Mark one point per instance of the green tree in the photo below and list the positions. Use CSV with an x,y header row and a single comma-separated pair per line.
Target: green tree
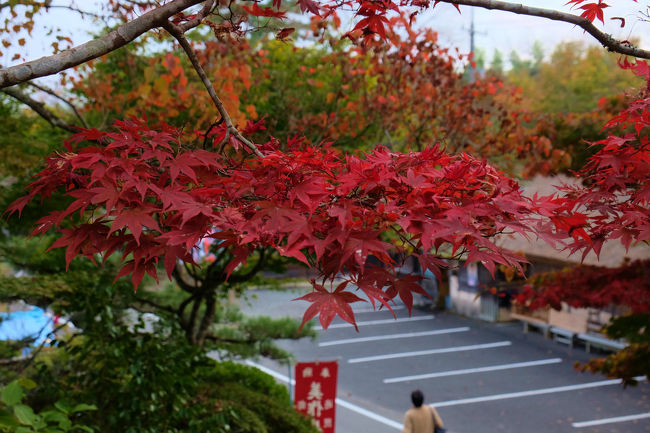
x,y
497,62
160,381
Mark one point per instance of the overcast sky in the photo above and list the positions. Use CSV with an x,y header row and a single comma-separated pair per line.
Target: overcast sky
x,y
495,29
507,31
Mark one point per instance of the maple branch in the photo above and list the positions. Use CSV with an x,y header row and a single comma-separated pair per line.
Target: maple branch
x,y
191,273
216,269
605,39
177,33
250,274
119,37
39,108
181,308
191,324
207,133
40,347
74,9
154,304
207,319
182,283
205,10
61,98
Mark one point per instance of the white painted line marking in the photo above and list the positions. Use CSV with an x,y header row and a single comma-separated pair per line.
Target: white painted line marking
x,y
371,415
527,393
376,322
343,403
430,352
611,420
474,370
375,310
394,336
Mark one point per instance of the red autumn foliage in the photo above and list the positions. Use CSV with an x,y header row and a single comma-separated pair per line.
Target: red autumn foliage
x,y
615,197
592,286
144,193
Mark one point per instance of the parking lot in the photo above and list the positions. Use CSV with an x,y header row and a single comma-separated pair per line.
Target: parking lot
x,y
481,377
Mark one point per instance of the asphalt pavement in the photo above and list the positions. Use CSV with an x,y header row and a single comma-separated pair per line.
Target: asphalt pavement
x,y
482,377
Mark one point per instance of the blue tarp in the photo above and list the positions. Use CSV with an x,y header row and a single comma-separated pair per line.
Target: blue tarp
x,y
32,322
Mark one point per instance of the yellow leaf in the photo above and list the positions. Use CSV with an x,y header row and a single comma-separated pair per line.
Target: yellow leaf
x,y
149,73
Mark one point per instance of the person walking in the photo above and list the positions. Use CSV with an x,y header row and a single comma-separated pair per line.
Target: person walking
x,y
422,418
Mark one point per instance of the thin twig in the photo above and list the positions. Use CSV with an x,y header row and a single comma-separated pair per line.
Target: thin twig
x,y
207,133
40,347
121,36
39,108
205,10
61,98
605,39
155,304
176,32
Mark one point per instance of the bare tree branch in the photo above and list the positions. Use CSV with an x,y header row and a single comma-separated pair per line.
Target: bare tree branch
x,y
77,10
176,32
207,8
154,304
92,49
39,108
61,98
605,39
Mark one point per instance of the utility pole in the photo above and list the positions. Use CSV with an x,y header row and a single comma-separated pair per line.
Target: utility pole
x,y
472,33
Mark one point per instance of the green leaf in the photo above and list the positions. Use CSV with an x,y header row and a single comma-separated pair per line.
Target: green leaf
x,y
12,394
84,428
27,383
25,414
7,419
57,417
83,407
63,406
24,430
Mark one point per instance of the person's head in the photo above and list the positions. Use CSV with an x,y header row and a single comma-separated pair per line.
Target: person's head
x,y
417,398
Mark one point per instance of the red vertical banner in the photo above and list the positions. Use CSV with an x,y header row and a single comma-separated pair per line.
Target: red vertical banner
x,y
315,392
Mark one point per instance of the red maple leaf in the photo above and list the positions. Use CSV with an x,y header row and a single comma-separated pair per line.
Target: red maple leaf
x,y
405,287
264,12
329,305
593,11
309,5
134,219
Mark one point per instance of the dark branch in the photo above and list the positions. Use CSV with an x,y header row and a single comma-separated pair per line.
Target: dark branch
x,y
62,99
207,319
207,8
39,108
185,286
250,274
155,304
177,33
119,37
605,39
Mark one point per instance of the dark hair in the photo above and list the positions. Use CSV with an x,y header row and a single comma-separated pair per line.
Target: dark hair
x,y
417,398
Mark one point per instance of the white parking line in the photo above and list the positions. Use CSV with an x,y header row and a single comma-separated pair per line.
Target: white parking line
x,y
376,322
374,310
343,403
430,352
611,420
394,336
474,370
527,393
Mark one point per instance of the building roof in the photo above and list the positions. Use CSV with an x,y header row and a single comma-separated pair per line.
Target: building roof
x,y
612,254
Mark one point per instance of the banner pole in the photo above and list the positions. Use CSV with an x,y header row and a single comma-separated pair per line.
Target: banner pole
x,y
290,385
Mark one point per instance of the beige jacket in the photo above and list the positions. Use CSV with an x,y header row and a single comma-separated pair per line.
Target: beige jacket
x,y
420,419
